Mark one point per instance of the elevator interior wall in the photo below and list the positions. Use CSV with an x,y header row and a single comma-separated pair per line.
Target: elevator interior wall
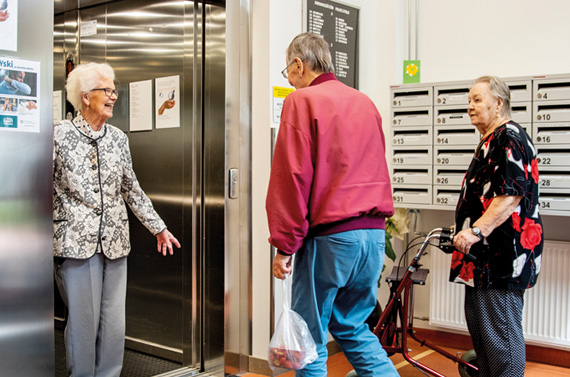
x,y
174,305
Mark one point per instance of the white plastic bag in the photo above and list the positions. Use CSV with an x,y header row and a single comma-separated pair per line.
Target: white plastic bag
x,y
292,345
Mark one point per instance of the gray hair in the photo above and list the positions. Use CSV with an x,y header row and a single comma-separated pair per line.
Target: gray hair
x,y
313,51
499,89
84,78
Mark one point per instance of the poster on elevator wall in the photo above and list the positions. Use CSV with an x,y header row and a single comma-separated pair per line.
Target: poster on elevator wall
x,y
140,106
9,25
167,102
19,95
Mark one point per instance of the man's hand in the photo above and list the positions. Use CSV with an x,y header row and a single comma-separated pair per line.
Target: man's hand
x,y
282,266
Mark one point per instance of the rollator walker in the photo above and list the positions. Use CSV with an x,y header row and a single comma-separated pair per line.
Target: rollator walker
x,y
400,307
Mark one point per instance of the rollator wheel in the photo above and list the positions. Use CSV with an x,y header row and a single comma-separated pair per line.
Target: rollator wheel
x,y
471,358
352,373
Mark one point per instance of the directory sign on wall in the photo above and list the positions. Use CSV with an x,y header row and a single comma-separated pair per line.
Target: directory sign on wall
x,y
338,24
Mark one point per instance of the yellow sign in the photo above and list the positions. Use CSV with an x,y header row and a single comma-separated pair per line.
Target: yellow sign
x,y
280,92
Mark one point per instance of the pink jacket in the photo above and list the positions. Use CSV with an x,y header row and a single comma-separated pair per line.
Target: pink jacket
x,y
329,164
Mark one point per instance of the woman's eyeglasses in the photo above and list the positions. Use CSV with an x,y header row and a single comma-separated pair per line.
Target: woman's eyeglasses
x,y
108,92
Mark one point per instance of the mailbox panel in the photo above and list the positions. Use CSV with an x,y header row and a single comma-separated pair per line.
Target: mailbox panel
x,y
420,135
453,156
521,112
553,156
551,111
553,179
458,135
551,89
451,94
417,116
450,177
451,116
554,201
412,176
521,91
411,156
445,196
552,133
416,97
402,194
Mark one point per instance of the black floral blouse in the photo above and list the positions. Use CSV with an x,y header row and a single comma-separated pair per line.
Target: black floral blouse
x,y
510,257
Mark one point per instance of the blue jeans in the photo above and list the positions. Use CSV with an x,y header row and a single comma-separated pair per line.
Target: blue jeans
x,y
335,284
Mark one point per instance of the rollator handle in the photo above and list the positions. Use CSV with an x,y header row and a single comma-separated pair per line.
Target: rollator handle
x,y
446,243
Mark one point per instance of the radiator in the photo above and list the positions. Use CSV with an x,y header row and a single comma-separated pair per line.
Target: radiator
x,y
546,314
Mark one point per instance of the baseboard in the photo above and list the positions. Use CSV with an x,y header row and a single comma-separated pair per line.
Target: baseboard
x,y
534,353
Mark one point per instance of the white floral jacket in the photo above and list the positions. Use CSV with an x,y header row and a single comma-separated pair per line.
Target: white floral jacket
x,y
92,180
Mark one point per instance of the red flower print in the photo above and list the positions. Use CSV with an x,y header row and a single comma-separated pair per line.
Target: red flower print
x,y
456,259
531,235
467,271
525,166
534,170
486,203
509,152
517,221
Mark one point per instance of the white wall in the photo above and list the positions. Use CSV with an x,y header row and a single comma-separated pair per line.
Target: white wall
x,y
457,40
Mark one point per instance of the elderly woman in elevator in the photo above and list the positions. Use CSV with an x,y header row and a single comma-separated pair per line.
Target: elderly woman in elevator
x,y
497,221
93,177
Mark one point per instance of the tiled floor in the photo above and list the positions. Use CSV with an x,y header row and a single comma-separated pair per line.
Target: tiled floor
x,y
338,366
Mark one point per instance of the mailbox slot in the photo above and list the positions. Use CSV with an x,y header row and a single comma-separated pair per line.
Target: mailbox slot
x,y
412,97
451,95
448,177
412,135
521,112
521,91
453,157
451,116
552,90
460,135
549,157
411,195
555,111
412,156
554,179
556,133
412,117
445,196
409,176
554,201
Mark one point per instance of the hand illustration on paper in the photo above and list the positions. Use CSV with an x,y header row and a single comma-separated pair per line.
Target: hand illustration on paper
x,y
4,16
168,104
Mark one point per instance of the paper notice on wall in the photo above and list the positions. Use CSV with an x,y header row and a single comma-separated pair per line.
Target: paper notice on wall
x,y
140,106
9,25
279,94
167,102
19,95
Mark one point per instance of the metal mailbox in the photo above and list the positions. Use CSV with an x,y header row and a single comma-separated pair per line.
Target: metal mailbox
x,y
553,179
552,111
451,94
553,156
458,135
416,97
521,91
453,156
451,116
402,194
445,196
551,89
412,176
417,116
521,112
552,133
420,155
449,177
554,201
421,135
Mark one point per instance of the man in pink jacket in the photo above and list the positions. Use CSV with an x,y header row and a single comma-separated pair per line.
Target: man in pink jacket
x,y
328,196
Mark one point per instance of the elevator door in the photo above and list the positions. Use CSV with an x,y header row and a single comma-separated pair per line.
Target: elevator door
x,y
174,303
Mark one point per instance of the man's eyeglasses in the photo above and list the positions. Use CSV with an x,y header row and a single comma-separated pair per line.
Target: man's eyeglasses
x,y
108,92
284,72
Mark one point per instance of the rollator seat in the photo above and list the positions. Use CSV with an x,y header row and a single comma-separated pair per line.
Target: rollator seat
x,y
418,277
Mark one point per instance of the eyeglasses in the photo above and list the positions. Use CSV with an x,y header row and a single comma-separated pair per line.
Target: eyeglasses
x,y
284,72
108,92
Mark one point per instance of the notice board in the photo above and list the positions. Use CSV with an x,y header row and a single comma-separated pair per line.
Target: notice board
x,y
338,24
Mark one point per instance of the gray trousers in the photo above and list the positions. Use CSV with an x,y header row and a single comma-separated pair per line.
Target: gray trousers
x,y
94,291
494,319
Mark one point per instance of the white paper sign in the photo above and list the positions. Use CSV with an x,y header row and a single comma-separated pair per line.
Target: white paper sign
x,y
140,106
167,102
88,28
